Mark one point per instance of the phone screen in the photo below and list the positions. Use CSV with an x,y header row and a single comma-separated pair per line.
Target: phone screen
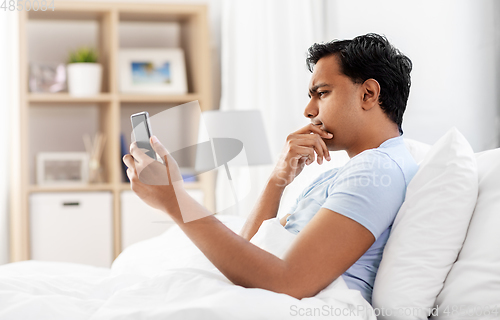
x,y
142,132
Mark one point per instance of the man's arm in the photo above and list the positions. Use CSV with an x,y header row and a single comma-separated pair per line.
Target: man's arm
x,y
327,246
266,208
299,151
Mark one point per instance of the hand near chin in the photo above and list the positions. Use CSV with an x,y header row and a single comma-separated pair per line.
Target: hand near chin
x,y
151,180
300,150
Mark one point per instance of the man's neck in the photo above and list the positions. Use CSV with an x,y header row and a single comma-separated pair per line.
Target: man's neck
x,y
372,140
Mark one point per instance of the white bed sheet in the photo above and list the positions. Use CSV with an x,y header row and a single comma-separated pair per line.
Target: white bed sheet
x,y
166,277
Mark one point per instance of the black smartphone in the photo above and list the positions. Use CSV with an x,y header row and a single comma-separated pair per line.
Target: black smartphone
x,y
142,132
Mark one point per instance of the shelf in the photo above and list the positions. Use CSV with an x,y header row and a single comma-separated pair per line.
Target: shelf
x,y
124,97
71,188
106,97
125,186
93,10
65,97
187,185
56,121
66,14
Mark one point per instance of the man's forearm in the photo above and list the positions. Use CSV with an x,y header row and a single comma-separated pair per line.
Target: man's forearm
x,y
266,208
242,262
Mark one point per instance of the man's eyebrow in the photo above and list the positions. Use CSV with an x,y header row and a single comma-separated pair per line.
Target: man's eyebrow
x,y
316,87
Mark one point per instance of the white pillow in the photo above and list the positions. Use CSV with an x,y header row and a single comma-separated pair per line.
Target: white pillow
x,y
417,149
473,284
273,237
428,231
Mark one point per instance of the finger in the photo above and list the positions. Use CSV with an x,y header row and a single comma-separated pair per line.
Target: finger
x,y
164,154
322,145
158,147
136,152
311,128
318,147
131,174
131,170
133,146
140,155
314,141
307,152
129,161
302,162
317,129
311,141
327,153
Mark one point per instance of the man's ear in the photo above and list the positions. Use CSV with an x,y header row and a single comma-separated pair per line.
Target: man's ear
x,y
371,92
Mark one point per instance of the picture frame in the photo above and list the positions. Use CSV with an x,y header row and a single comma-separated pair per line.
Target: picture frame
x,y
153,71
62,168
47,77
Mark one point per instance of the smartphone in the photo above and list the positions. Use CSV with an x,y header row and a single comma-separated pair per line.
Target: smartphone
x,y
142,132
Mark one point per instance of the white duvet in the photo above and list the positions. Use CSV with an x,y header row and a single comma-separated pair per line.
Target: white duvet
x,y
166,277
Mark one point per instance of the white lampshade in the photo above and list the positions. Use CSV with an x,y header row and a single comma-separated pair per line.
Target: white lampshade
x,y
228,134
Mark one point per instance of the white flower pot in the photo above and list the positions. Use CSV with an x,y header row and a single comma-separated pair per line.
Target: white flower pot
x,y
84,79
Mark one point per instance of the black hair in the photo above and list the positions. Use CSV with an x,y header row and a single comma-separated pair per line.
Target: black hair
x,y
371,56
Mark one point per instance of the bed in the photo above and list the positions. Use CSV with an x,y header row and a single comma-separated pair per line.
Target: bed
x,y
165,277
449,267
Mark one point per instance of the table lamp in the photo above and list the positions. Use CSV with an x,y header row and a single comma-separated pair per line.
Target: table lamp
x,y
231,138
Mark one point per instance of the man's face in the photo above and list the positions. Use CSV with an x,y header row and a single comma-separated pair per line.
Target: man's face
x,y
335,104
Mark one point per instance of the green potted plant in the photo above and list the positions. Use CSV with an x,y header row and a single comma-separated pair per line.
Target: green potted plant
x,y
84,73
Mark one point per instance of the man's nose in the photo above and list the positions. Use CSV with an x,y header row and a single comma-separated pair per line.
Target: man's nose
x,y
311,110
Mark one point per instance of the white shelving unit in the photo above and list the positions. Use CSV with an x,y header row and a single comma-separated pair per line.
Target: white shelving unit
x,y
105,112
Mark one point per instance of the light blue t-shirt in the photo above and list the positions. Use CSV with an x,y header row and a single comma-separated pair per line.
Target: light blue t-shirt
x,y
369,189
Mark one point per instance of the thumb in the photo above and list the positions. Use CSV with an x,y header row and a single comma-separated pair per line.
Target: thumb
x,y
158,147
172,167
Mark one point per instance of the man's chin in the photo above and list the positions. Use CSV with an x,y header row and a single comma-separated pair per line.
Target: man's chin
x,y
331,145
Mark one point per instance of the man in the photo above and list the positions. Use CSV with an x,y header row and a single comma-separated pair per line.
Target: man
x,y
358,93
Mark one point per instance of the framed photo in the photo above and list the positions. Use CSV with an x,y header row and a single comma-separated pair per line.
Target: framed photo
x,y
155,71
62,168
47,77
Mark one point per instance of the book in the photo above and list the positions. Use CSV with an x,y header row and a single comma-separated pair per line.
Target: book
x,y
124,151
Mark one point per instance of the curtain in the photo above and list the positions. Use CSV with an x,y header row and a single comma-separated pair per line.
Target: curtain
x,y
264,46
9,104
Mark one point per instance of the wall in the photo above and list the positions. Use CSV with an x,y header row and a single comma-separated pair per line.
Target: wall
x,y
454,48
9,98
496,10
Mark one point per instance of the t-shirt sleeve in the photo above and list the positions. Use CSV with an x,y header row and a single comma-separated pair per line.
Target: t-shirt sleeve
x,y
292,209
369,190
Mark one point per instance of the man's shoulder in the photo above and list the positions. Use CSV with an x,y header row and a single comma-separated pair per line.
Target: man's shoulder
x,y
396,160
371,159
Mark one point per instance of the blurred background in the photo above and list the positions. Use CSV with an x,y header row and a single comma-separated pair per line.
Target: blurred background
x,y
242,55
